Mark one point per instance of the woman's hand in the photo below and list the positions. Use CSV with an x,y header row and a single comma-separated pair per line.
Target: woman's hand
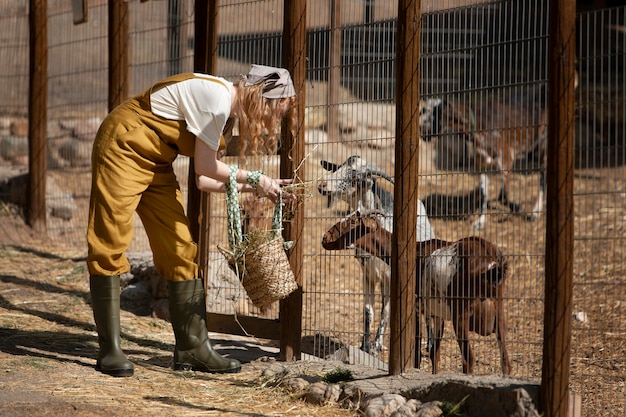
x,y
270,188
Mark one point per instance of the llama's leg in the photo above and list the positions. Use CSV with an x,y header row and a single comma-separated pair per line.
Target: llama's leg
x,y
505,164
384,273
438,326
368,308
501,336
538,208
479,224
461,329
418,338
382,327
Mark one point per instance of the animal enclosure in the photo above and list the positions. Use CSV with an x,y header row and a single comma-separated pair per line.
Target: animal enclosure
x,y
473,53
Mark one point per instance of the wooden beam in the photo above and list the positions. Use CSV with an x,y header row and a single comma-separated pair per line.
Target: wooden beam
x,y
119,44
334,77
403,262
559,260
291,157
244,325
37,115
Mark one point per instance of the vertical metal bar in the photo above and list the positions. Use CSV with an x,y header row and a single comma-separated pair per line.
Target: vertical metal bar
x,y
334,77
119,43
404,323
291,157
559,210
37,115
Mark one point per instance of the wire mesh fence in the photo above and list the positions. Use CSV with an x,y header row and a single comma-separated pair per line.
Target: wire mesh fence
x,y
483,75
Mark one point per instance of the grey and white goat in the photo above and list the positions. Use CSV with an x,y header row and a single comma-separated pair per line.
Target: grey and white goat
x,y
355,182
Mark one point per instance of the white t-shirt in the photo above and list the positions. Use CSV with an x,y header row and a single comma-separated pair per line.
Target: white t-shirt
x,y
202,101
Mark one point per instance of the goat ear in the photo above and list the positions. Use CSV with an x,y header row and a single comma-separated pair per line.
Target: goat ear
x,y
329,166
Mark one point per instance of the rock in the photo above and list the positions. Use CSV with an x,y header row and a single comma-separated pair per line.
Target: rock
x,y
161,309
408,409
383,405
137,294
296,384
86,130
76,152
321,393
60,203
431,409
275,370
13,147
19,127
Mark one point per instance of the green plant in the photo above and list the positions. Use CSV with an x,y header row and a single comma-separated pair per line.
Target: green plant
x,y
453,410
338,375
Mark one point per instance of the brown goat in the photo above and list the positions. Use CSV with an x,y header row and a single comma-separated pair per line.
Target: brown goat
x,y
500,132
461,281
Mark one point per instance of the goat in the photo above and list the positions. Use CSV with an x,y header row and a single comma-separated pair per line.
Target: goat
x,y
461,281
500,132
354,181
458,206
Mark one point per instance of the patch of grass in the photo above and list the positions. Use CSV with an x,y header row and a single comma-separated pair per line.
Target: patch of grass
x,y
453,410
31,362
338,375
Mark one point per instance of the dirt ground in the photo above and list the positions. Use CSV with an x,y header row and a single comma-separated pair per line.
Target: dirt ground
x,y
48,346
48,340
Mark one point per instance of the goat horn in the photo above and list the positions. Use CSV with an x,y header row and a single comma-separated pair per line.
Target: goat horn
x,y
380,173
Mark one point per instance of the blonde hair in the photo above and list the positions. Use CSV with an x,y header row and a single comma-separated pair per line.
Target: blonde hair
x,y
260,120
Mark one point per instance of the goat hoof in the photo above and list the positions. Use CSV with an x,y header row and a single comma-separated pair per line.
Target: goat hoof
x,y
532,217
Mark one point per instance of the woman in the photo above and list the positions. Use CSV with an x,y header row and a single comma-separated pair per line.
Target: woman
x,y
132,171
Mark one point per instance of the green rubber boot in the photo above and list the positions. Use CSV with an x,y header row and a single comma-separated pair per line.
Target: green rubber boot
x,y
105,300
193,349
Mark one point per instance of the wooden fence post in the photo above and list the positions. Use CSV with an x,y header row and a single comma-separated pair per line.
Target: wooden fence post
x,y
118,52
334,71
291,157
403,275
37,115
559,210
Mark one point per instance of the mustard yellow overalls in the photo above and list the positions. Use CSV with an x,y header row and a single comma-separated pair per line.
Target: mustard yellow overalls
x,y
132,171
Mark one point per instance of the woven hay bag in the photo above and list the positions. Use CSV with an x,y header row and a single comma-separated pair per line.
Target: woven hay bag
x,y
261,264
265,273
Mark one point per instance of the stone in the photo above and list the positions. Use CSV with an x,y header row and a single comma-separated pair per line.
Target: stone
x,y
383,405
321,393
408,409
76,152
295,384
161,309
19,127
12,147
431,409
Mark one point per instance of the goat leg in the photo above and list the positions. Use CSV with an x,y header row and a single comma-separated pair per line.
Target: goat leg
x,y
501,335
438,326
418,341
368,317
479,224
461,328
382,326
538,208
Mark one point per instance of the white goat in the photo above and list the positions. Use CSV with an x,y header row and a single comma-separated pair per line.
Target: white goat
x,y
354,181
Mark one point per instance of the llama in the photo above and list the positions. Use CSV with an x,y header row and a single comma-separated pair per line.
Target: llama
x,y
354,181
460,281
500,132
